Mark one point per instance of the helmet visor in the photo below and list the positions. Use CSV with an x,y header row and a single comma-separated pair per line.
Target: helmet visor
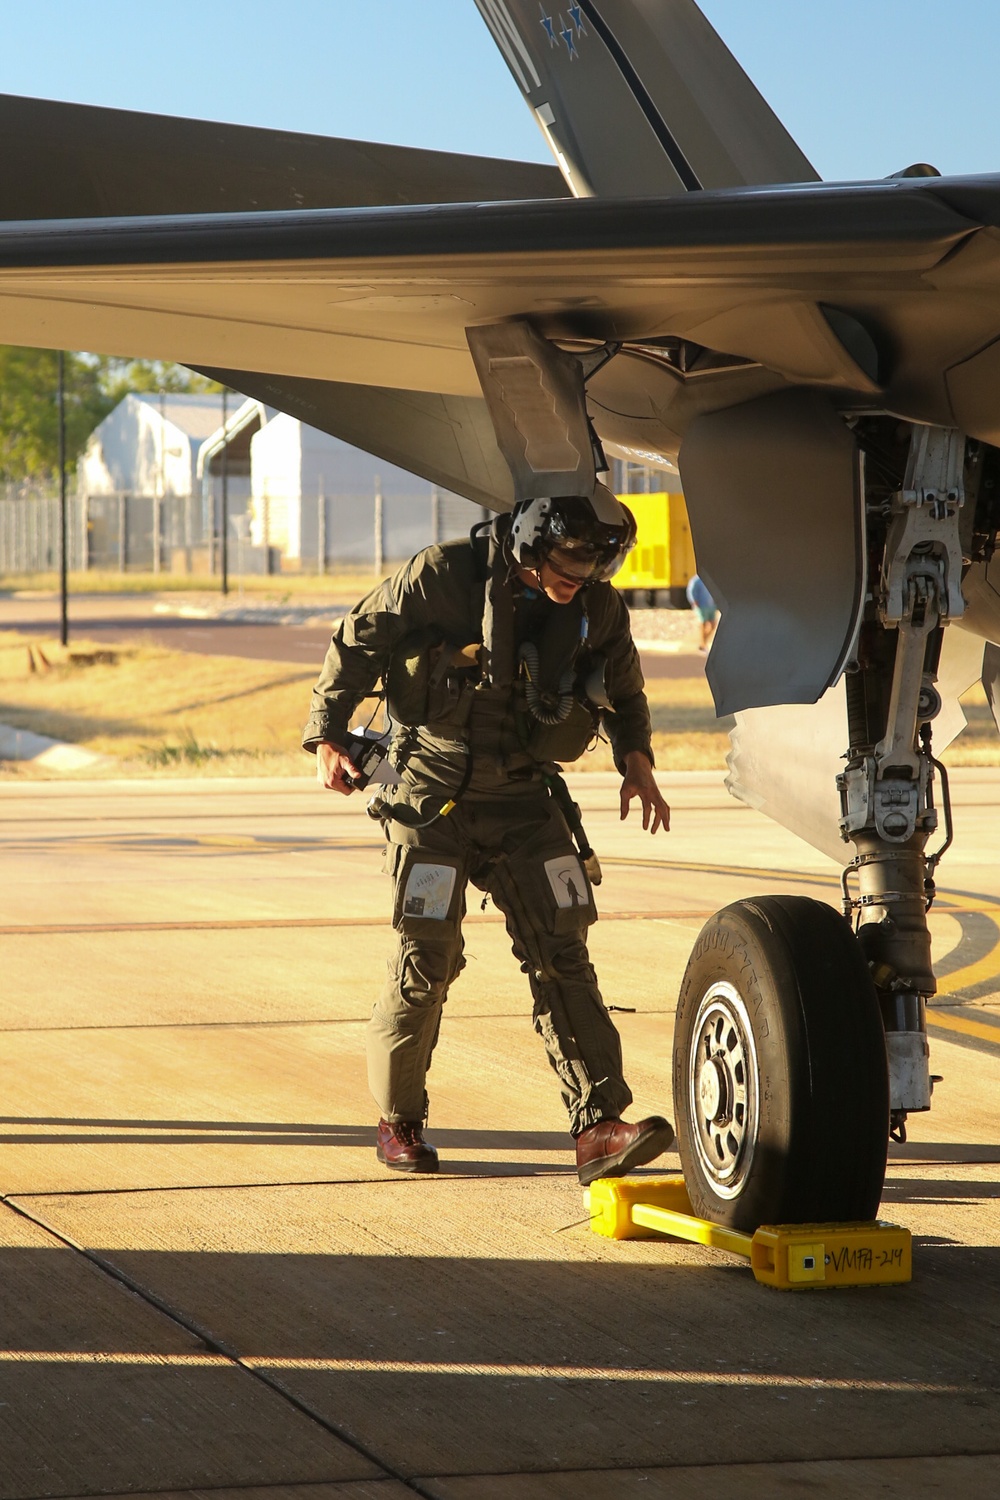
x,y
582,548
582,563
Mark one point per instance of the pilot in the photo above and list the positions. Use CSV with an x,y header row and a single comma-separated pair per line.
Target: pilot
x,y
501,655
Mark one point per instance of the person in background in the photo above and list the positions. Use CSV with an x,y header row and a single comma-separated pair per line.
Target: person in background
x,y
704,607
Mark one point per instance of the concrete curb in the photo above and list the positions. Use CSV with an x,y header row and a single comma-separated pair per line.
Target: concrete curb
x,y
55,755
255,614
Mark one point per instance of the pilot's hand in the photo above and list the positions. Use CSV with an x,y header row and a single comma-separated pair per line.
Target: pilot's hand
x,y
639,782
332,764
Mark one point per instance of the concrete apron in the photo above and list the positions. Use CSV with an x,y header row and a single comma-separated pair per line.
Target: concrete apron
x,y
213,1284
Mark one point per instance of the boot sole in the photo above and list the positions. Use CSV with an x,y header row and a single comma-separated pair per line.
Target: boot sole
x,y
427,1165
641,1152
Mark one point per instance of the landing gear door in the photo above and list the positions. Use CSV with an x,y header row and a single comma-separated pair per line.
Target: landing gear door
x,y
774,494
535,394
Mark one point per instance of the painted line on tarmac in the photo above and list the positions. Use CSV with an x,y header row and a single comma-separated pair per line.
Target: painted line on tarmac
x,y
61,929
603,1373
108,1357
966,978
979,1030
681,866
504,1371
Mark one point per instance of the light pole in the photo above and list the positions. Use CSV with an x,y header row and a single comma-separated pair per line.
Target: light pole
x,y
63,561
225,495
379,527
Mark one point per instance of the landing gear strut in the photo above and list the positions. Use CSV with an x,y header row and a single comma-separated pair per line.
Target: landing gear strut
x,y
887,788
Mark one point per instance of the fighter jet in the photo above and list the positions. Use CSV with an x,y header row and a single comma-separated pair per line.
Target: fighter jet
x,y
823,362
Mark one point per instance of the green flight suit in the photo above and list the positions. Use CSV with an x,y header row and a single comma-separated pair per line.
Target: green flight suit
x,y
464,735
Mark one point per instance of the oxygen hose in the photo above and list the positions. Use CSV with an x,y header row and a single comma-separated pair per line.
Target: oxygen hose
x,y
540,704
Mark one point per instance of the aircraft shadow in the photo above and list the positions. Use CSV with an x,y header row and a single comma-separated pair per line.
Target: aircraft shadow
x,y
480,1143
501,1365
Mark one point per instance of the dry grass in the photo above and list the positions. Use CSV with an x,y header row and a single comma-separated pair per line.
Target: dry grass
x,y
165,713
156,712
686,734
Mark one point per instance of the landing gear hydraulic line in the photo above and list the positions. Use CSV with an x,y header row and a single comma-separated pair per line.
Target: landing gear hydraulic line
x,y
887,788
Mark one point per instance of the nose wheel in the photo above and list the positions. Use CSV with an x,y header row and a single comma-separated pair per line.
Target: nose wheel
x,y
780,1081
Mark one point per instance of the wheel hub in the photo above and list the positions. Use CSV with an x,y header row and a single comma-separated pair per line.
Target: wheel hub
x,y
714,1089
723,1089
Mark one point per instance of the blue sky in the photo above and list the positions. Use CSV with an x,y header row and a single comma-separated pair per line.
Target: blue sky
x,y
865,86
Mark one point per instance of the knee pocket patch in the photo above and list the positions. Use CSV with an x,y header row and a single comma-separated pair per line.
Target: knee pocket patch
x,y
570,887
427,893
423,972
545,897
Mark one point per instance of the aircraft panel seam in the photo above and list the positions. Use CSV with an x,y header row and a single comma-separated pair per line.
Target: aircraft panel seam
x,y
510,42
643,98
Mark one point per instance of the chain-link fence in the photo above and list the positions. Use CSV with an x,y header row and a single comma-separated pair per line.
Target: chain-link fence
x,y
122,533
130,533
30,539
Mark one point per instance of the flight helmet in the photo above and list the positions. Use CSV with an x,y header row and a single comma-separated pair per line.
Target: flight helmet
x,y
584,538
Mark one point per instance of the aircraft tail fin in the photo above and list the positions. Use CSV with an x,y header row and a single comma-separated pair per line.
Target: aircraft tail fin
x,y
641,97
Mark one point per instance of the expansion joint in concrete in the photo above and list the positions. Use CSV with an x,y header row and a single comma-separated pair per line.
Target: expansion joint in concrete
x,y
215,1345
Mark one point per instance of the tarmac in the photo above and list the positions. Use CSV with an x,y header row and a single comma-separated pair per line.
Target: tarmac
x,y
211,1288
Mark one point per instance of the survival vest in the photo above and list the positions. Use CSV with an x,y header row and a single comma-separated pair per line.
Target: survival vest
x,y
552,683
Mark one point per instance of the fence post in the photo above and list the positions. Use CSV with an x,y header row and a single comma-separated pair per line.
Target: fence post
x,y
224,524
122,531
435,516
321,529
157,520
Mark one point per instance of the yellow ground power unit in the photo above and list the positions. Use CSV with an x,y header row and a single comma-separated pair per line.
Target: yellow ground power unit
x,y
663,556
792,1257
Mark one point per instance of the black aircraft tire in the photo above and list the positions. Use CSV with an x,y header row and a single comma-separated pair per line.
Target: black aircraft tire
x,y
780,1079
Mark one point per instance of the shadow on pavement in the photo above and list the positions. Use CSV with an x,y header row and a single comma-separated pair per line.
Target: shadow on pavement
x,y
452,1363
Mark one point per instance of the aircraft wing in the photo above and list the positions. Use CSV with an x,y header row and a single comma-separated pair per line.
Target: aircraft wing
x,y
66,161
874,296
881,293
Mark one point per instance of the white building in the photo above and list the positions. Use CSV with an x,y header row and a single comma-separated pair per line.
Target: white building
x,y
140,500
153,474
149,445
313,497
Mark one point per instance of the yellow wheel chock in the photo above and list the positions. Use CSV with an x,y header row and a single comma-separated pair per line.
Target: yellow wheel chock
x,y
793,1257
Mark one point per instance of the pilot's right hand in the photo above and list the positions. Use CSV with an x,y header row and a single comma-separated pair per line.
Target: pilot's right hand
x,y
332,764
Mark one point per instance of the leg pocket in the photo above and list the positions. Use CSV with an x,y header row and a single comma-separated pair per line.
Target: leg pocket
x,y
571,893
428,895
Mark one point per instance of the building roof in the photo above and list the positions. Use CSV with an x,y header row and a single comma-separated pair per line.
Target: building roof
x,y
196,415
242,421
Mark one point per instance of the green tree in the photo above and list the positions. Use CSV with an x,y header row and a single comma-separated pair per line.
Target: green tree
x,y
29,414
94,385
120,376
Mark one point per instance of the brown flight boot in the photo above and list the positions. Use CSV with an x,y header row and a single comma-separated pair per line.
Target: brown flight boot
x,y
401,1146
611,1147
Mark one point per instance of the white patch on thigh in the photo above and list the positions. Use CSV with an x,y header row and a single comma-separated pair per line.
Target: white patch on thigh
x,y
429,889
568,882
